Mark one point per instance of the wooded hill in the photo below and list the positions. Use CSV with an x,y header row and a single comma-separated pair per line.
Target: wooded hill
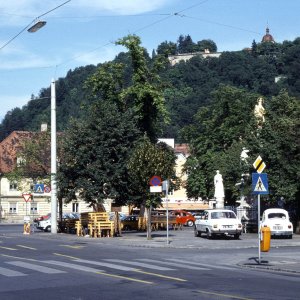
x,y
210,102
188,85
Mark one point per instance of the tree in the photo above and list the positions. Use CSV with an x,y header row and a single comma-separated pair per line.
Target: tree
x,y
216,138
280,145
145,93
206,44
185,44
96,151
167,48
147,160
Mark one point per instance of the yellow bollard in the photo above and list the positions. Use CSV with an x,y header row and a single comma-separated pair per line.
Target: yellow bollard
x,y
265,242
26,229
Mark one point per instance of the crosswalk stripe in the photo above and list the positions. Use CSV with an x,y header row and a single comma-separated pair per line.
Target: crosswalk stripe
x,y
10,273
72,266
34,267
73,246
173,264
199,264
26,247
7,248
104,264
140,264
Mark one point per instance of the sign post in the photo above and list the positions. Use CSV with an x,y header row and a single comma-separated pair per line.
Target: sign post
x,y
27,197
259,187
166,188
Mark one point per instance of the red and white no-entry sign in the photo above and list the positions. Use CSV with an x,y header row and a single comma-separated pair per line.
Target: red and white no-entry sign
x,y
26,197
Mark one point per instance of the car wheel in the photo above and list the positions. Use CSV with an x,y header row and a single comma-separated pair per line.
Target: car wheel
x,y
48,228
197,233
190,223
236,236
208,234
127,228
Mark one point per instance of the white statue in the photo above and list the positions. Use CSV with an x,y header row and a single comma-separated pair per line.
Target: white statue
x,y
259,111
244,155
219,190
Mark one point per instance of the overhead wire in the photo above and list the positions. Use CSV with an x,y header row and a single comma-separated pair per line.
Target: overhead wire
x,y
220,24
168,16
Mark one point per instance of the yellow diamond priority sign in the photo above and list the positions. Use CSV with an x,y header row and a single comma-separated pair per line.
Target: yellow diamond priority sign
x,y
259,165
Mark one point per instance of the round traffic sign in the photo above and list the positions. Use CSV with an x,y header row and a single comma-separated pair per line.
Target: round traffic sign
x,y
155,181
47,189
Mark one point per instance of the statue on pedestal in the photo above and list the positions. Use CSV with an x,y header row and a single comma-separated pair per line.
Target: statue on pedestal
x,y
219,190
259,112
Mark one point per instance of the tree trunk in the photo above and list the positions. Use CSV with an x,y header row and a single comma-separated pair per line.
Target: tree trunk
x,y
149,209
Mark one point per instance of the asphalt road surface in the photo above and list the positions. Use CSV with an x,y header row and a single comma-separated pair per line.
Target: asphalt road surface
x,y
46,266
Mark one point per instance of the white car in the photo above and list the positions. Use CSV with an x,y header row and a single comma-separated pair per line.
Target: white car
x,y
218,222
277,219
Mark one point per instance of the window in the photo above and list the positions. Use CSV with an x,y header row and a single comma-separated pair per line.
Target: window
x,y
33,208
276,216
75,207
12,208
13,186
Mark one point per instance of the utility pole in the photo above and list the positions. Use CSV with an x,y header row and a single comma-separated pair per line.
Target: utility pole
x,y
53,160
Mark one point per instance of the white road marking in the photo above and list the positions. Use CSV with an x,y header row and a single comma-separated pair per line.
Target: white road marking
x,y
104,264
199,264
34,267
173,264
139,264
10,273
72,266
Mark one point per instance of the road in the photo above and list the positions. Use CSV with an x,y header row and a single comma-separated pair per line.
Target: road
x,y
45,266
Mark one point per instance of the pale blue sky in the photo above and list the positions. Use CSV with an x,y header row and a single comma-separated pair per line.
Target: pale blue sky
x,y
82,32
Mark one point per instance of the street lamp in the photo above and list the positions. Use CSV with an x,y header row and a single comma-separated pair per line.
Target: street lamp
x,y
53,160
37,26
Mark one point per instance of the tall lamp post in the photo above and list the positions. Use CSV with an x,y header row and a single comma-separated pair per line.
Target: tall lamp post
x,y
53,160
38,25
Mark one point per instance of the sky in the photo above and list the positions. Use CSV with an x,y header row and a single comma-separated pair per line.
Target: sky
x,y
83,32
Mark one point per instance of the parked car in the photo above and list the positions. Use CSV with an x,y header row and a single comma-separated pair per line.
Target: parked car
x,y
122,216
218,222
40,218
183,217
130,223
277,219
45,222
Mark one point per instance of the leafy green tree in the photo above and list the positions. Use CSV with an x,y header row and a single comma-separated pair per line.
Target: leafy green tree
x,y
145,93
167,48
280,146
206,44
96,151
222,129
216,138
185,44
147,160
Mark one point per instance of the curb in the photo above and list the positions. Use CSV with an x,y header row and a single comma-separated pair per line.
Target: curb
x,y
268,268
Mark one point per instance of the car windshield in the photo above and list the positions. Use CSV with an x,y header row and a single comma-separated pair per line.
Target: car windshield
x,y
276,216
223,215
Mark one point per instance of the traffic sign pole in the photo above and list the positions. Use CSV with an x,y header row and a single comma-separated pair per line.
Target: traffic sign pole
x,y
260,186
167,209
259,233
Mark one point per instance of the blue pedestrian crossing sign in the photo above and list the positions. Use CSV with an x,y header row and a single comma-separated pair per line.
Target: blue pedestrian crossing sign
x,y
38,188
260,183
